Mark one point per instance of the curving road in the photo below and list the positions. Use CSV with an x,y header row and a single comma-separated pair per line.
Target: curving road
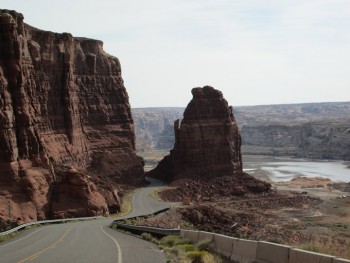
x,y
87,241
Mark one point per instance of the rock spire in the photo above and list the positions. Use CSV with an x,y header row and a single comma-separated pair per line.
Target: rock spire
x,y
207,140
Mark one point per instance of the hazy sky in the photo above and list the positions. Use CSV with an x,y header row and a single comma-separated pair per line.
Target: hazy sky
x,y
254,51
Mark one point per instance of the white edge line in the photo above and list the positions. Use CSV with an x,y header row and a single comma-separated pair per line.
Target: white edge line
x,y
133,203
22,237
117,244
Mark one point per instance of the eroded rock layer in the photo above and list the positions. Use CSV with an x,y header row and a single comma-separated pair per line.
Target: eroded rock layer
x,y
66,133
206,160
207,140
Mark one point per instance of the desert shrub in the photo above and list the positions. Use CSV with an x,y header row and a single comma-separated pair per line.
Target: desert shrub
x,y
186,247
170,241
319,247
125,206
310,247
178,249
8,236
174,251
176,254
127,221
181,241
196,256
209,258
148,237
205,244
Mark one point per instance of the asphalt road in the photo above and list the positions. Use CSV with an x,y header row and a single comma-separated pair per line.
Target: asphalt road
x,y
86,241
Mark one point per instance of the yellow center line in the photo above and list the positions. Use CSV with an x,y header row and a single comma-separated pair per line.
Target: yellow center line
x,y
45,249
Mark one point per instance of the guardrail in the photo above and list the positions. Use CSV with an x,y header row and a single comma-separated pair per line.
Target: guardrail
x,y
153,230
46,222
147,229
153,212
71,219
250,251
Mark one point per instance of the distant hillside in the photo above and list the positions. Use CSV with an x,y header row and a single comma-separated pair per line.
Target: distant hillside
x,y
155,127
311,130
294,113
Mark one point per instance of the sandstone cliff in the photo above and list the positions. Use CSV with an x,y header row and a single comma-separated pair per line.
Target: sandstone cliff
x,y
207,147
66,132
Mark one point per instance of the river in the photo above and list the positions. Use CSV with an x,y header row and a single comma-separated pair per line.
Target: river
x,y
284,169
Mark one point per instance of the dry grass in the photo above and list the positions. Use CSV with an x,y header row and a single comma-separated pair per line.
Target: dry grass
x,y
125,207
329,246
332,240
330,233
178,249
155,194
9,236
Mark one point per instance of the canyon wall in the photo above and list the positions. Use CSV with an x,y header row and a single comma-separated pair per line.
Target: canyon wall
x,y
314,140
67,142
154,127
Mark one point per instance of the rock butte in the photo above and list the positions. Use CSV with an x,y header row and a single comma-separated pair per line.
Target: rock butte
x,y
207,146
207,140
67,140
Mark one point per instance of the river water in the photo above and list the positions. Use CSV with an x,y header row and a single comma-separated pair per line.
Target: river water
x,y
285,169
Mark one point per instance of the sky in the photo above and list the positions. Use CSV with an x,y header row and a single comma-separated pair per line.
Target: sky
x,y
256,52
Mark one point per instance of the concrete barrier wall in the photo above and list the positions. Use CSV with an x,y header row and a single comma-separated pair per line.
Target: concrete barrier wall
x,y
298,255
272,253
244,250
250,251
202,235
223,244
190,235
340,260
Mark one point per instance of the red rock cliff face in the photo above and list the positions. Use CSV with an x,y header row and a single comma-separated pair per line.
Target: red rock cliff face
x,y
66,132
207,140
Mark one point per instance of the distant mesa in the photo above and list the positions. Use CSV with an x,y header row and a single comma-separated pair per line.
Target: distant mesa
x,y
207,144
309,130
